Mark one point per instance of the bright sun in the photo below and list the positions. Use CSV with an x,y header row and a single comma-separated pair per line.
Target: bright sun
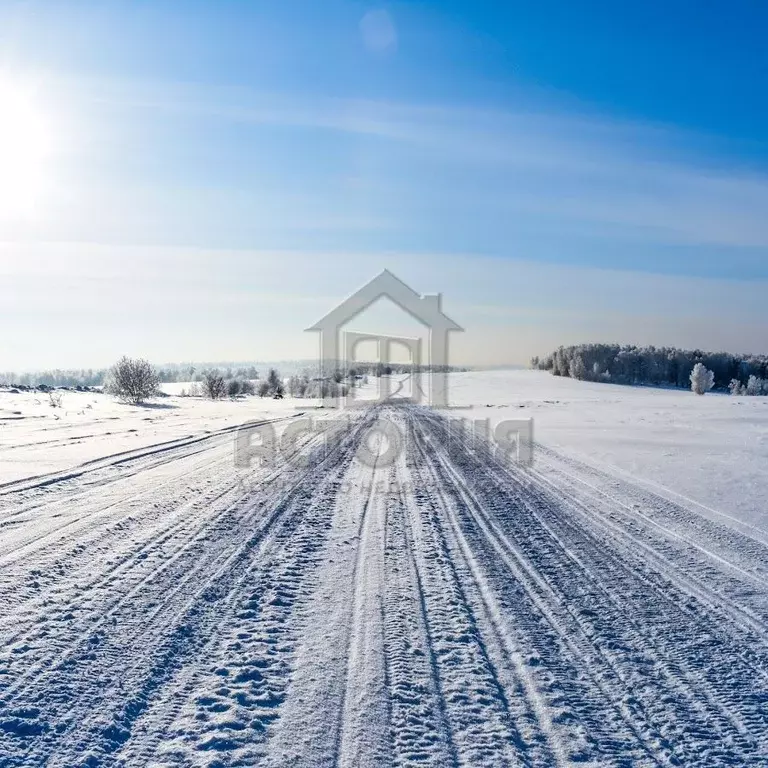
x,y
24,148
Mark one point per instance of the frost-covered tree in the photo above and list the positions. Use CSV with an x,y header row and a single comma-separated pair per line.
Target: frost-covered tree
x,y
630,364
702,379
736,387
756,386
276,386
214,386
577,369
298,386
322,388
132,380
233,388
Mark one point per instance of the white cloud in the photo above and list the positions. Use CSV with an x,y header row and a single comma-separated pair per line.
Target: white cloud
x,y
631,179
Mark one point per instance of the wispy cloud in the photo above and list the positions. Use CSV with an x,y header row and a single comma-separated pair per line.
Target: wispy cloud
x,y
643,180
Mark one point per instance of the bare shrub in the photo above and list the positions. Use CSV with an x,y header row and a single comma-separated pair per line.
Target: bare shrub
x,y
298,385
132,380
237,387
322,388
214,386
233,388
54,399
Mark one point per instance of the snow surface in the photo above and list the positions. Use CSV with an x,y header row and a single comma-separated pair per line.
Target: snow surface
x,y
36,439
162,606
712,449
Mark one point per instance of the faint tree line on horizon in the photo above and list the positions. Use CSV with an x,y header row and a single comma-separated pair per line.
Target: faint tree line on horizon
x,y
83,377
656,366
195,373
95,377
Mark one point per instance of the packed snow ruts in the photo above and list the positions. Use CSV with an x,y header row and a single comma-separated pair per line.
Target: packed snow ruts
x,y
445,610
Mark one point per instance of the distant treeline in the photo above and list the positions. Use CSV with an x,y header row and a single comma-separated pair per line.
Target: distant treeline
x,y
381,369
197,371
91,377
659,366
178,372
56,378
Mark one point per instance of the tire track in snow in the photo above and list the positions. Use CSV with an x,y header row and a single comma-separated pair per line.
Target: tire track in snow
x,y
542,744
668,571
67,574
336,650
42,483
187,549
363,729
173,622
150,525
225,706
476,703
677,695
580,680
466,613
741,561
20,542
421,732
62,577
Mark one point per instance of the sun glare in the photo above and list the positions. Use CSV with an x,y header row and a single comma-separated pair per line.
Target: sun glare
x,y
24,148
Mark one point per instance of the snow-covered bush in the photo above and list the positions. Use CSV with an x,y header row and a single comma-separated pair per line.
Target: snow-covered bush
x,y
233,388
237,387
132,380
271,386
702,379
298,385
214,386
322,388
276,386
756,386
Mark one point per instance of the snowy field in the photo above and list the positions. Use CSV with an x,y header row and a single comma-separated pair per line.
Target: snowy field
x,y
608,606
712,449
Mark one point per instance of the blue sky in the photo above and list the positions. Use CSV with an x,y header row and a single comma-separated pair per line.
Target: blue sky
x,y
561,171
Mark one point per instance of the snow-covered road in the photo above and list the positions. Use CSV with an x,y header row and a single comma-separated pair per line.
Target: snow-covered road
x,y
163,607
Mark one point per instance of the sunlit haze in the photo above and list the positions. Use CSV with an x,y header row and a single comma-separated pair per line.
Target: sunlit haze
x,y
25,142
237,169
